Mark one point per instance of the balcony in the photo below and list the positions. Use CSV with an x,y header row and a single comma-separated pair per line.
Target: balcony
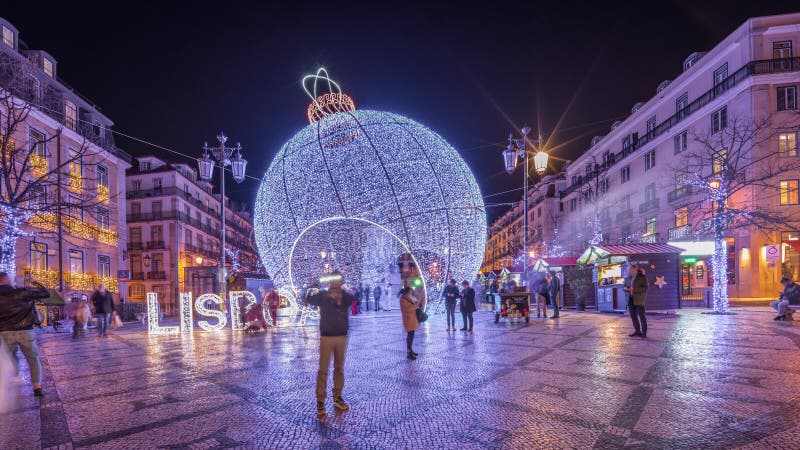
x,y
102,194
625,215
678,233
75,182
38,164
648,206
133,246
79,281
45,221
679,193
137,276
106,236
155,245
650,238
48,278
160,275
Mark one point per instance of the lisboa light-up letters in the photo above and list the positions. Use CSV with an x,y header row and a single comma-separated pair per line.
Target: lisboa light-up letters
x,y
186,313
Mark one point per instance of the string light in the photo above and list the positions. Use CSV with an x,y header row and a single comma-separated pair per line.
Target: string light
x,y
200,305
394,185
236,310
152,317
187,324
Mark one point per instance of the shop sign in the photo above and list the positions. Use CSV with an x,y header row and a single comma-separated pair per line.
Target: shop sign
x,y
773,254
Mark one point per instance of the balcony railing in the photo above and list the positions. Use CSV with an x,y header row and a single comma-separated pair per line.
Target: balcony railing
x,y
678,233
625,215
650,238
752,68
160,275
648,206
137,276
679,193
133,246
155,245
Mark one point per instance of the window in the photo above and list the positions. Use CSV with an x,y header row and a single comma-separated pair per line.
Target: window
x,y
136,291
539,212
681,177
787,98
103,218
607,158
782,49
720,74
34,88
603,185
188,236
156,183
38,256
136,209
650,226
626,174
144,166
97,128
37,142
156,233
75,164
156,207
689,62
75,261
649,160
651,124
719,162
787,144
680,104
158,262
574,180
588,169
102,175
573,204
137,185
679,141
626,203
104,265
136,234
789,192
70,115
75,207
681,217
47,66
650,192
719,119
38,196
8,36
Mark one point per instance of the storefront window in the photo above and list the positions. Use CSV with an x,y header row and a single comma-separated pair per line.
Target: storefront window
x,y
790,243
731,260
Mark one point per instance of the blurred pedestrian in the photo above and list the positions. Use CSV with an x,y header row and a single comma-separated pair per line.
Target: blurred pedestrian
x,y
377,294
272,301
359,296
17,319
451,296
333,328
103,307
542,290
467,305
408,309
367,294
554,290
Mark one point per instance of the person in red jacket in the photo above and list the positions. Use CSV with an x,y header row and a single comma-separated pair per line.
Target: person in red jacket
x,y
272,301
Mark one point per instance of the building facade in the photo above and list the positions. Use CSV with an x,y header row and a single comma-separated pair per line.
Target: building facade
x,y
77,242
174,232
631,185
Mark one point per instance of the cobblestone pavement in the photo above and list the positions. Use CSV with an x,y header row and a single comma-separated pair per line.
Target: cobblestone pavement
x,y
697,381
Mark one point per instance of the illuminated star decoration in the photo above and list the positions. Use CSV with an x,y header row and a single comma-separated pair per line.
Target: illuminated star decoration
x,y
356,189
660,281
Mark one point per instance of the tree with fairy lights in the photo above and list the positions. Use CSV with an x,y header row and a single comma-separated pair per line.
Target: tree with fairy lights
x,y
43,191
593,193
735,173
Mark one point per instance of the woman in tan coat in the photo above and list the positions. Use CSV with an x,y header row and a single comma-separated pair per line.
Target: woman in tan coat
x,y
408,309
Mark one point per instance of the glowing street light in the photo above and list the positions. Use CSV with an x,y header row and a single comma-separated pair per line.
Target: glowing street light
x,y
518,148
714,184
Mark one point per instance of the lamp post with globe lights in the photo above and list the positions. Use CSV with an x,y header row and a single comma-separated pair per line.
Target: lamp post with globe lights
x,y
225,156
525,148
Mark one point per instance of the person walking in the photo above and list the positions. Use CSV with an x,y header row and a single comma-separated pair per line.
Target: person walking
x,y
367,294
80,314
451,296
408,309
333,328
639,287
554,290
359,293
17,318
377,294
103,307
467,305
272,301
542,295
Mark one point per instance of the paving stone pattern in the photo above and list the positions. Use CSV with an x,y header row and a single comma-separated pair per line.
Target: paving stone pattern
x,y
697,381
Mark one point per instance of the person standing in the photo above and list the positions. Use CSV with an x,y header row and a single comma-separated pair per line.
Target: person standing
x,y
273,302
639,288
451,295
333,328
542,295
554,289
408,309
367,294
377,294
359,293
17,318
467,305
103,307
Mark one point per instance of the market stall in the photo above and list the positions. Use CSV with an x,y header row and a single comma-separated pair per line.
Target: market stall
x,y
564,268
611,263
513,305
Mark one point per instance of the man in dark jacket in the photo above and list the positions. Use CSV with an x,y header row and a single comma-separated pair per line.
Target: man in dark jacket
x,y
554,289
333,326
103,307
451,295
377,294
17,318
467,305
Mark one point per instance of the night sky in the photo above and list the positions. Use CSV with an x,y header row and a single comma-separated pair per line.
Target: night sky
x,y
176,75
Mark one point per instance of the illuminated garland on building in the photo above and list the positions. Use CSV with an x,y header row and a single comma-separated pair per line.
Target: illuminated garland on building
x,y
48,278
75,182
79,281
102,193
365,186
38,165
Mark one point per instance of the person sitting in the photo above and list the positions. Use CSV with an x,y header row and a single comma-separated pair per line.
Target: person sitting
x,y
789,296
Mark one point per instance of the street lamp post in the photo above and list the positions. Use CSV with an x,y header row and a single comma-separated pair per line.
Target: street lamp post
x,y
519,148
225,157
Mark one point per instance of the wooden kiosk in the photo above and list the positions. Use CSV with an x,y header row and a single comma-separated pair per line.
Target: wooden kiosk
x,y
611,262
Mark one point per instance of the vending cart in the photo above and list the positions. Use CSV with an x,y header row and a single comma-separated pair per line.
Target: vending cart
x,y
513,305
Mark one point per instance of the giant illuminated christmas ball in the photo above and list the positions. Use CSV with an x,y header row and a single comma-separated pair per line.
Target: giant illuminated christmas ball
x,y
363,192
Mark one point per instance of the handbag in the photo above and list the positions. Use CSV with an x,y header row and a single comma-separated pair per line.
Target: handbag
x,y
116,322
422,316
